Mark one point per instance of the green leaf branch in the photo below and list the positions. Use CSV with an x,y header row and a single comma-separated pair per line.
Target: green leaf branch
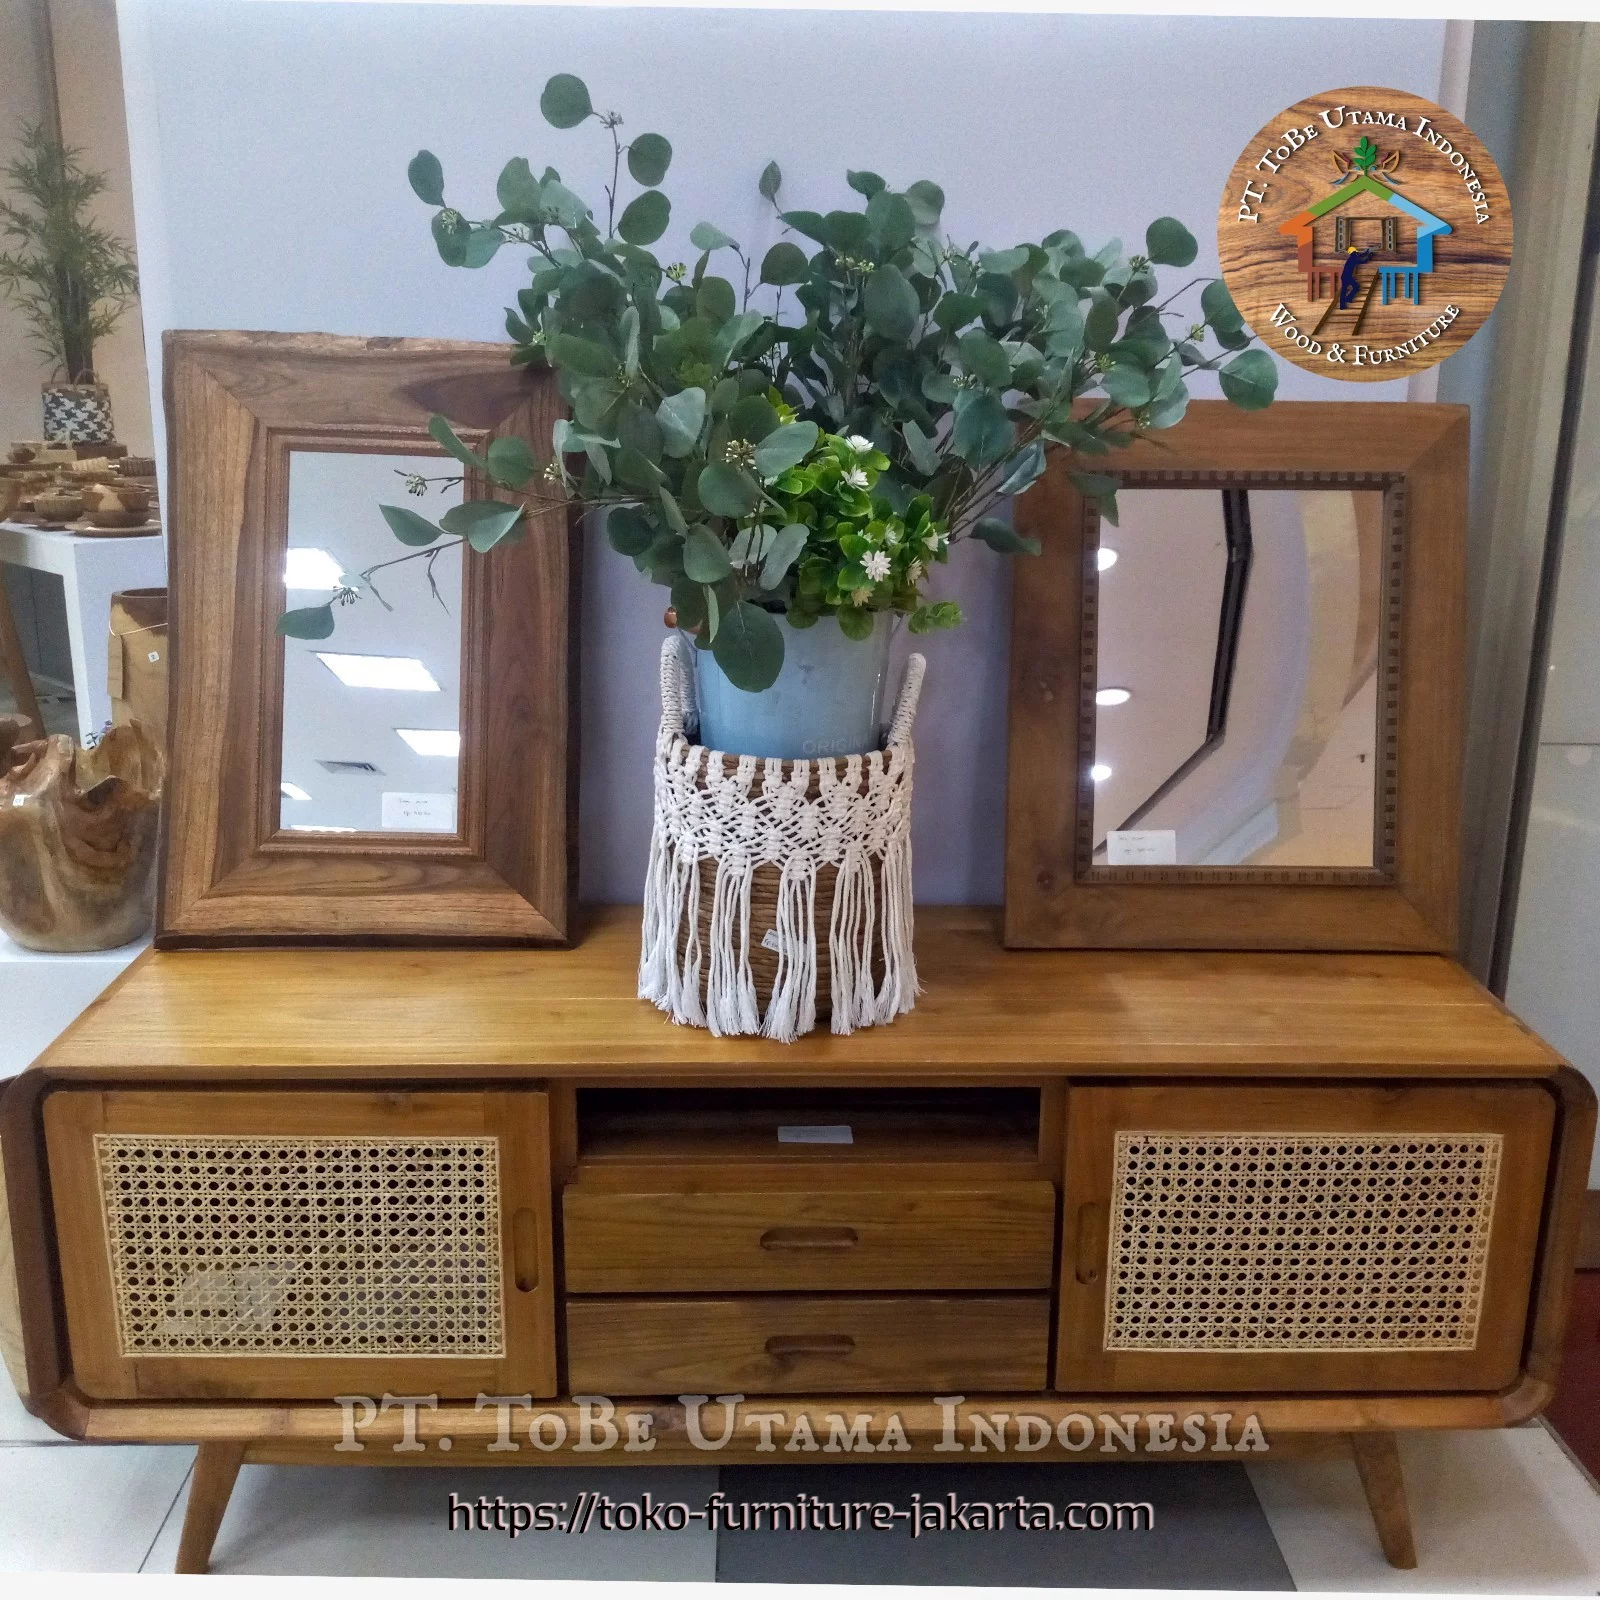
x,y
809,434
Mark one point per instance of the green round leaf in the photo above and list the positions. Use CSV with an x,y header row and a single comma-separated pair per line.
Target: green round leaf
x,y
408,527
649,156
848,231
450,234
786,545
784,263
957,310
771,181
983,356
1217,306
1169,244
893,223
704,557
749,647
867,183
681,416
727,491
1126,386
630,531
445,437
1250,380
926,201
716,299
480,245
856,622
581,357
482,523
890,303
1003,538
983,432
427,178
307,622
645,217
511,461
518,191
707,236
565,101
785,447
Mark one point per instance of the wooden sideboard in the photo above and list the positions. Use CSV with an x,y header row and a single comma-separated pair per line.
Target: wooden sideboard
x,y
315,1205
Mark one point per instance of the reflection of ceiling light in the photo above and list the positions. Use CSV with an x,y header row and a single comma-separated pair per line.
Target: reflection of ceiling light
x,y
1112,697
316,827
293,791
1099,772
310,569
1104,558
432,741
378,672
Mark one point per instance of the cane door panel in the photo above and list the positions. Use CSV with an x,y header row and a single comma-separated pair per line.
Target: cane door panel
x,y
218,1244
1275,1237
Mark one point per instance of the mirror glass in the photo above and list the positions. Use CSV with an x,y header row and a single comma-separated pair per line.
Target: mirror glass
x,y
1236,715
372,714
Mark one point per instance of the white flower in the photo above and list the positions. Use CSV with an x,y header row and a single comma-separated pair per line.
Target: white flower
x,y
856,478
859,597
876,566
859,443
930,540
914,572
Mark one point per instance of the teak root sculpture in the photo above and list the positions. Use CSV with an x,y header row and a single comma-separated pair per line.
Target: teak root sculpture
x,y
78,839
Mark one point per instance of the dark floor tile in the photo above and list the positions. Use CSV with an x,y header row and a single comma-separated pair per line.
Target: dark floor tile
x,y
1575,1411
1208,1530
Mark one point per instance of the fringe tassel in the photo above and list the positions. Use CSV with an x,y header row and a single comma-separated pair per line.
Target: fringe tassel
x,y
792,1010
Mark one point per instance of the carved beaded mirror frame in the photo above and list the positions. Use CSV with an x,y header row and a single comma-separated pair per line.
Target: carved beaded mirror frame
x,y
429,743
1232,739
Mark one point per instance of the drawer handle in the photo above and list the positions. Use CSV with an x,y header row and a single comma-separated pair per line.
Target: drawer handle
x,y
525,1250
1091,1244
810,1344
809,1239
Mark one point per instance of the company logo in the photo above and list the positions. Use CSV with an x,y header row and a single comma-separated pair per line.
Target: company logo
x,y
1365,234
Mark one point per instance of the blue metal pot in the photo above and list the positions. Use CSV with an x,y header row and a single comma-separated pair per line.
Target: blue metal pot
x,y
827,700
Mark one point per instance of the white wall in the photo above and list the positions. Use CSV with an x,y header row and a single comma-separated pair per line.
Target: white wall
x,y
269,146
24,98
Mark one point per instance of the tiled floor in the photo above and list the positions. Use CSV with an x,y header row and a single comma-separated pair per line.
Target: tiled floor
x,y
1501,1512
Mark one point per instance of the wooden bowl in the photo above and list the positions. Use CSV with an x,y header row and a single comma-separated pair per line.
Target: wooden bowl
x,y
58,505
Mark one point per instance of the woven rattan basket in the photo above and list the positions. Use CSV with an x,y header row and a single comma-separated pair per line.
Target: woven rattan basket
x,y
744,929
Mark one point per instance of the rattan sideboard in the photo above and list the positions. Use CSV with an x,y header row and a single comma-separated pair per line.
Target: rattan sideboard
x,y
372,1206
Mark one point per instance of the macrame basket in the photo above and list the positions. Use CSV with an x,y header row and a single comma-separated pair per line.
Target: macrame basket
x,y
779,892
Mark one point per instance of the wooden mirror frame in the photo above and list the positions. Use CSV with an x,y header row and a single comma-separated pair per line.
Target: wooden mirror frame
x,y
237,404
1417,456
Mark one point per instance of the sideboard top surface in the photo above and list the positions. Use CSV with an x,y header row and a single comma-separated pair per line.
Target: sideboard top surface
x,y
987,1014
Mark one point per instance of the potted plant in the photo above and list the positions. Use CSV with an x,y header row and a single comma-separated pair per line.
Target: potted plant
x,y
791,446
71,279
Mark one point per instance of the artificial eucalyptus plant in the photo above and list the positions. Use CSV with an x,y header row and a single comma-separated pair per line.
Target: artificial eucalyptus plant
x,y
70,278
767,439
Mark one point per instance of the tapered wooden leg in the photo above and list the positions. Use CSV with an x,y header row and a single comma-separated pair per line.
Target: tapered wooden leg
x,y
1378,1462
216,1466
15,665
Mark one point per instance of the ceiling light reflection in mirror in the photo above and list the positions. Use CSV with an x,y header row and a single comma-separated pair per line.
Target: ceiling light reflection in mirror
x,y
1237,646
350,701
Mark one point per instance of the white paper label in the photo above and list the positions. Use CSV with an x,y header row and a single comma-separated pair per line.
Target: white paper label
x,y
419,813
1141,847
816,1133
769,940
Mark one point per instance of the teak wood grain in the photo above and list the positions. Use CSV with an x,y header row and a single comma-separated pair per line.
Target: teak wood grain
x,y
1522,1113
986,1016
1417,454
794,1344
238,405
856,1233
517,1119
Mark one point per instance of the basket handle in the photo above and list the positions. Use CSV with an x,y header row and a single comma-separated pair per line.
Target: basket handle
x,y
678,709
905,711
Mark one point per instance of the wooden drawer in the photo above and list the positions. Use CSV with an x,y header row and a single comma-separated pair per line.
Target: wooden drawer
x,y
807,1236
798,1344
